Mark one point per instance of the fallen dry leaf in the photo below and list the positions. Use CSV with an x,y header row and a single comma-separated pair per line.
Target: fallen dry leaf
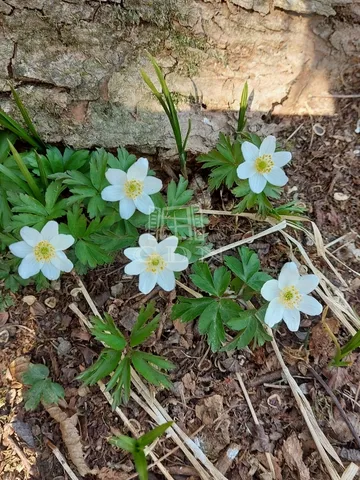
x,y
4,317
38,309
321,346
210,409
293,455
341,430
338,377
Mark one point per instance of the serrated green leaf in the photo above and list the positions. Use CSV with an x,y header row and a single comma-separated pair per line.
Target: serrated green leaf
x,y
52,392
120,382
106,363
247,268
26,204
151,374
177,194
55,160
107,332
74,160
35,373
211,325
33,396
188,309
98,166
123,161
96,206
140,332
215,284
76,222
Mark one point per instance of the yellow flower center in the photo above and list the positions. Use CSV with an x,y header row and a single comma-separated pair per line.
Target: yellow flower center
x,y
264,164
155,263
133,188
44,251
290,297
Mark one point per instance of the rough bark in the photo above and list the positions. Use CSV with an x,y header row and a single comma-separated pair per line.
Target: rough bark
x,y
76,63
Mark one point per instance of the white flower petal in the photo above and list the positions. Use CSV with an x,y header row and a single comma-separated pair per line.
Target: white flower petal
x,y
144,204
292,319
50,271
147,281
20,249
307,283
257,183
268,145
113,193
250,151
289,275
281,158
167,247
177,263
138,170
62,263
133,253
245,170
270,290
50,230
135,268
152,185
116,176
29,266
276,177
30,236
62,242
274,312
126,208
148,243
166,280
310,305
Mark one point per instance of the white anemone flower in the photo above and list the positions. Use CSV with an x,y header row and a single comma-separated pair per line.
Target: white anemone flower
x,y
288,296
155,262
263,164
132,188
43,251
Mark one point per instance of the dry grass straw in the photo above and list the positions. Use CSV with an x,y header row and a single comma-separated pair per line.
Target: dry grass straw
x,y
62,460
334,298
154,409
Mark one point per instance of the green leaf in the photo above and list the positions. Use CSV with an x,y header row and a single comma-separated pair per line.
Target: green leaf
x,y
141,331
14,177
120,382
52,392
178,195
76,159
52,194
55,159
96,206
76,222
151,374
90,254
223,162
33,396
150,437
107,332
25,172
243,107
194,248
123,161
35,373
140,464
247,268
98,166
211,325
188,309
214,285
25,204
124,442
107,362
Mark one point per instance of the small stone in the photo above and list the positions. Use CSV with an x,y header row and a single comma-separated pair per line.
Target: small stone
x,y
51,302
64,347
83,391
341,197
117,289
29,299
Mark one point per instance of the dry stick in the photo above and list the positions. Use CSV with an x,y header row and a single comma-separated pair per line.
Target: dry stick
x,y
161,416
336,402
27,465
274,228
109,398
61,460
259,427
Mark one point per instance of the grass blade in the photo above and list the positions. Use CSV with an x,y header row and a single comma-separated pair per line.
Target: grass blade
x,y
26,116
43,176
24,170
7,122
14,178
4,146
243,107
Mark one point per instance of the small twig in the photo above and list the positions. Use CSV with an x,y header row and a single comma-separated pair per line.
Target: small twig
x,y
336,402
61,460
27,465
259,427
337,95
270,377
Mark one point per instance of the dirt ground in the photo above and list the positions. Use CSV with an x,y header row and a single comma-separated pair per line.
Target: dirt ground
x,y
206,392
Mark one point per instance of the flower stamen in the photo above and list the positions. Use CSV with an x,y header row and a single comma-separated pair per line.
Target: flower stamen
x,y
264,164
133,188
44,251
290,297
155,263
